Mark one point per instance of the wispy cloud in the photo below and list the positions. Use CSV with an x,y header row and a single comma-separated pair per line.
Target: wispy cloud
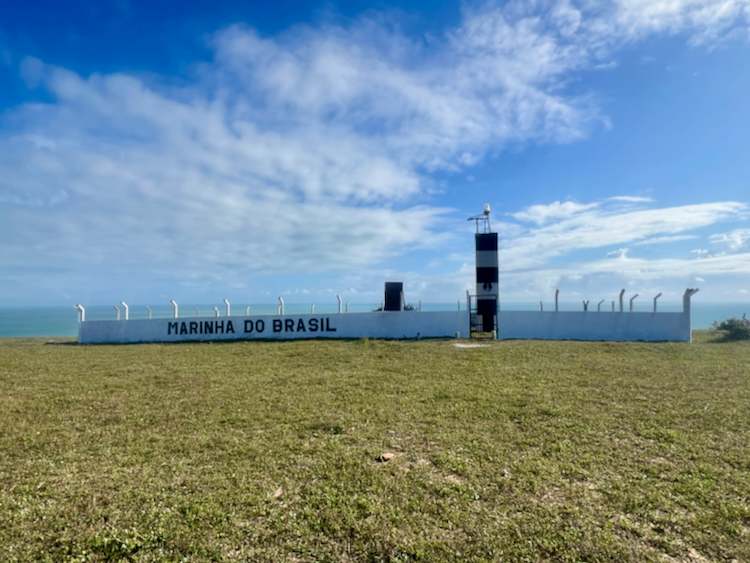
x,y
602,226
317,148
733,240
554,211
550,256
705,20
653,241
599,249
631,199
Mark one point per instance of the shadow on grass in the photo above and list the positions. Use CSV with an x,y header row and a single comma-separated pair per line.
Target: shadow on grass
x,y
363,341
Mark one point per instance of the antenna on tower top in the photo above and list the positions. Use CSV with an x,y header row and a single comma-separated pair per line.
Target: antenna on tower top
x,y
482,221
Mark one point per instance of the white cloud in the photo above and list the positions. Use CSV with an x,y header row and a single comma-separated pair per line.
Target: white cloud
x,y
705,20
601,226
621,253
631,199
666,268
597,278
733,240
492,80
316,148
541,214
546,256
307,150
665,240
536,259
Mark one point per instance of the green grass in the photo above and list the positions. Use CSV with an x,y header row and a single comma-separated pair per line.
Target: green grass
x,y
268,451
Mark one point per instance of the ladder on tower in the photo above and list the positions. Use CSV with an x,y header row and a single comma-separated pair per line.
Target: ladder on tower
x,y
476,325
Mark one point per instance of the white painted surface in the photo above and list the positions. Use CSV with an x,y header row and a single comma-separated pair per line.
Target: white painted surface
x,y
486,258
391,325
487,290
575,325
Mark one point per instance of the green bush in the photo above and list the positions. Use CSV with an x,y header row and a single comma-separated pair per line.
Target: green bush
x,y
734,329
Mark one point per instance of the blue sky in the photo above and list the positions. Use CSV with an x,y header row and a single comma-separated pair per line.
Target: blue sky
x,y
150,150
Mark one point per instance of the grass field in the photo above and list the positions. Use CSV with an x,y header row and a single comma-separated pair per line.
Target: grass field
x,y
271,451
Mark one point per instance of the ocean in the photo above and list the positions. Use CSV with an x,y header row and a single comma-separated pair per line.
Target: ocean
x,y
63,321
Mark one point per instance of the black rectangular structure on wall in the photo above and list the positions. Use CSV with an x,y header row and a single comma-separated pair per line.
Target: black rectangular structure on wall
x,y
394,296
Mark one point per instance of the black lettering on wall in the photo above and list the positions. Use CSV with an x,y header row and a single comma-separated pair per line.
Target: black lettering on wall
x,y
277,325
329,328
313,325
230,327
193,327
219,327
171,327
183,328
249,326
288,325
208,327
301,326
260,325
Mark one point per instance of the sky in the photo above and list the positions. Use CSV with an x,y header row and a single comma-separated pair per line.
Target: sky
x,y
203,150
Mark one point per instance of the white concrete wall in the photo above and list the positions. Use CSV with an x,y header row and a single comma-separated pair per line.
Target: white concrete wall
x,y
406,324
570,325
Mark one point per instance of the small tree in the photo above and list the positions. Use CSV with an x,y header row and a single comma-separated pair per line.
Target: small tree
x,y
734,329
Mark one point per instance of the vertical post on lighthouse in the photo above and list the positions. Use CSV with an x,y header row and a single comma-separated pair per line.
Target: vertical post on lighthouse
x,y
487,276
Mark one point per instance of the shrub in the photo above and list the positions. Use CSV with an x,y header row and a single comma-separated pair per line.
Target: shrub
x,y
734,329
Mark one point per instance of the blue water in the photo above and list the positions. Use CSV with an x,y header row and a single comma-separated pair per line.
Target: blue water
x,y
63,321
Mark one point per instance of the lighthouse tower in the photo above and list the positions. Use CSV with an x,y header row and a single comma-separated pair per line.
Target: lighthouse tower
x,y
487,286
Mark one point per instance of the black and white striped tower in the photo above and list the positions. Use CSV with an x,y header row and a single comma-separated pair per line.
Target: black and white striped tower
x,y
487,288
